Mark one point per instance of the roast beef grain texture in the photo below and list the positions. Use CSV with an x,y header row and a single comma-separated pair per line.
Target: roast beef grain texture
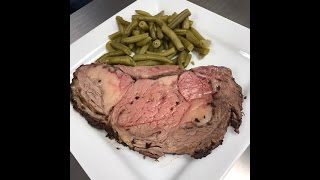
x,y
158,110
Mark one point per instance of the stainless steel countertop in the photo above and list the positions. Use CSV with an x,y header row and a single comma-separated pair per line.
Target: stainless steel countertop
x,y
97,11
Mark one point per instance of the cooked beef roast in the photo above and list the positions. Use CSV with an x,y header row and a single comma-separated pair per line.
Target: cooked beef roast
x,y
159,110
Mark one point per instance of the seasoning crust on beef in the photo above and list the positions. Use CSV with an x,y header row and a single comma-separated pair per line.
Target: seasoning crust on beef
x,y
158,110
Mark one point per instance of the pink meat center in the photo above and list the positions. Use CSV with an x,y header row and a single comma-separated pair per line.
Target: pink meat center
x,y
192,87
161,102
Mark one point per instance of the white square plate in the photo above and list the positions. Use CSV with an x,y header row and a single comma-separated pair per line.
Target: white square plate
x,y
98,155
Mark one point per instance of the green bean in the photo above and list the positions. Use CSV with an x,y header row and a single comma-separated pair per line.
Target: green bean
x,y
160,48
165,43
196,34
188,45
144,57
151,48
170,44
124,60
115,53
179,31
200,56
144,48
143,31
179,18
181,58
187,60
172,17
203,51
134,49
122,21
137,50
175,61
172,35
159,19
147,63
135,32
131,46
143,13
109,47
135,17
102,59
121,47
156,43
134,39
159,32
152,30
162,19
164,53
115,58
199,43
166,37
143,25
115,35
190,37
172,55
161,13
118,39
130,28
144,42
186,24
205,43
121,28
191,23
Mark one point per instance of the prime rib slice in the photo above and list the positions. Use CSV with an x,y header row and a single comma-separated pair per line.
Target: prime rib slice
x,y
159,110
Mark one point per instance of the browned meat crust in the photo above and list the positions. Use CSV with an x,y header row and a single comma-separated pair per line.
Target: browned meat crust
x,y
230,101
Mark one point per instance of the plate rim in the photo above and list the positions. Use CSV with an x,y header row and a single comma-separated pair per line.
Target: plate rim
x,y
73,47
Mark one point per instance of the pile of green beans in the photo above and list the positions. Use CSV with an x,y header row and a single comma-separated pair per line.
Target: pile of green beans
x,y
150,40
